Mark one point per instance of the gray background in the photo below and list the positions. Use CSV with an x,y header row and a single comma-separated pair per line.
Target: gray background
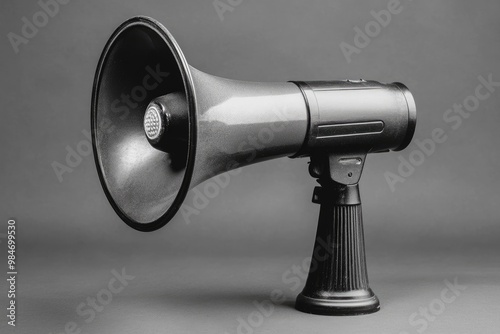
x,y
442,223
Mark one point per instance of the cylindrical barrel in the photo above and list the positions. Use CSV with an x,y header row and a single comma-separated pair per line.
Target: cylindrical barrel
x,y
358,115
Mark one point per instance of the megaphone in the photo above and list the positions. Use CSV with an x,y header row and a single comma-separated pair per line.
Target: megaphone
x,y
160,127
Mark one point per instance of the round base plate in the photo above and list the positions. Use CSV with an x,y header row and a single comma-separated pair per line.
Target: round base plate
x,y
338,305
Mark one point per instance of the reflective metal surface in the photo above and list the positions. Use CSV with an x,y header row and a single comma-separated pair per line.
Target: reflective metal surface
x,y
141,61
241,123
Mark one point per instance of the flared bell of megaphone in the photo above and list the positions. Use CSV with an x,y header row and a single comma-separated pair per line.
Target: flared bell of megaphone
x,y
213,124
160,127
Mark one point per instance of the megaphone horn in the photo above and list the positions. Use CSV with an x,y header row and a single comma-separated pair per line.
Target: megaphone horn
x,y
160,127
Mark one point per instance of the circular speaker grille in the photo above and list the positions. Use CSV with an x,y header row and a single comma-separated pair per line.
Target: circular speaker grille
x,y
153,123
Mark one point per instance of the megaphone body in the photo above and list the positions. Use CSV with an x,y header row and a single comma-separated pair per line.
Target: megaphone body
x,y
160,127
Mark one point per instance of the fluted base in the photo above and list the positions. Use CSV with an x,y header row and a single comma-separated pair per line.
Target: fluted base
x,y
338,281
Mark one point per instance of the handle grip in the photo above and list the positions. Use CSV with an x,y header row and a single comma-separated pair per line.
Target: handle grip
x,y
338,281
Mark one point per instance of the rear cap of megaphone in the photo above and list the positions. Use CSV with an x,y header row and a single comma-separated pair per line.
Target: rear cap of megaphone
x,y
141,61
